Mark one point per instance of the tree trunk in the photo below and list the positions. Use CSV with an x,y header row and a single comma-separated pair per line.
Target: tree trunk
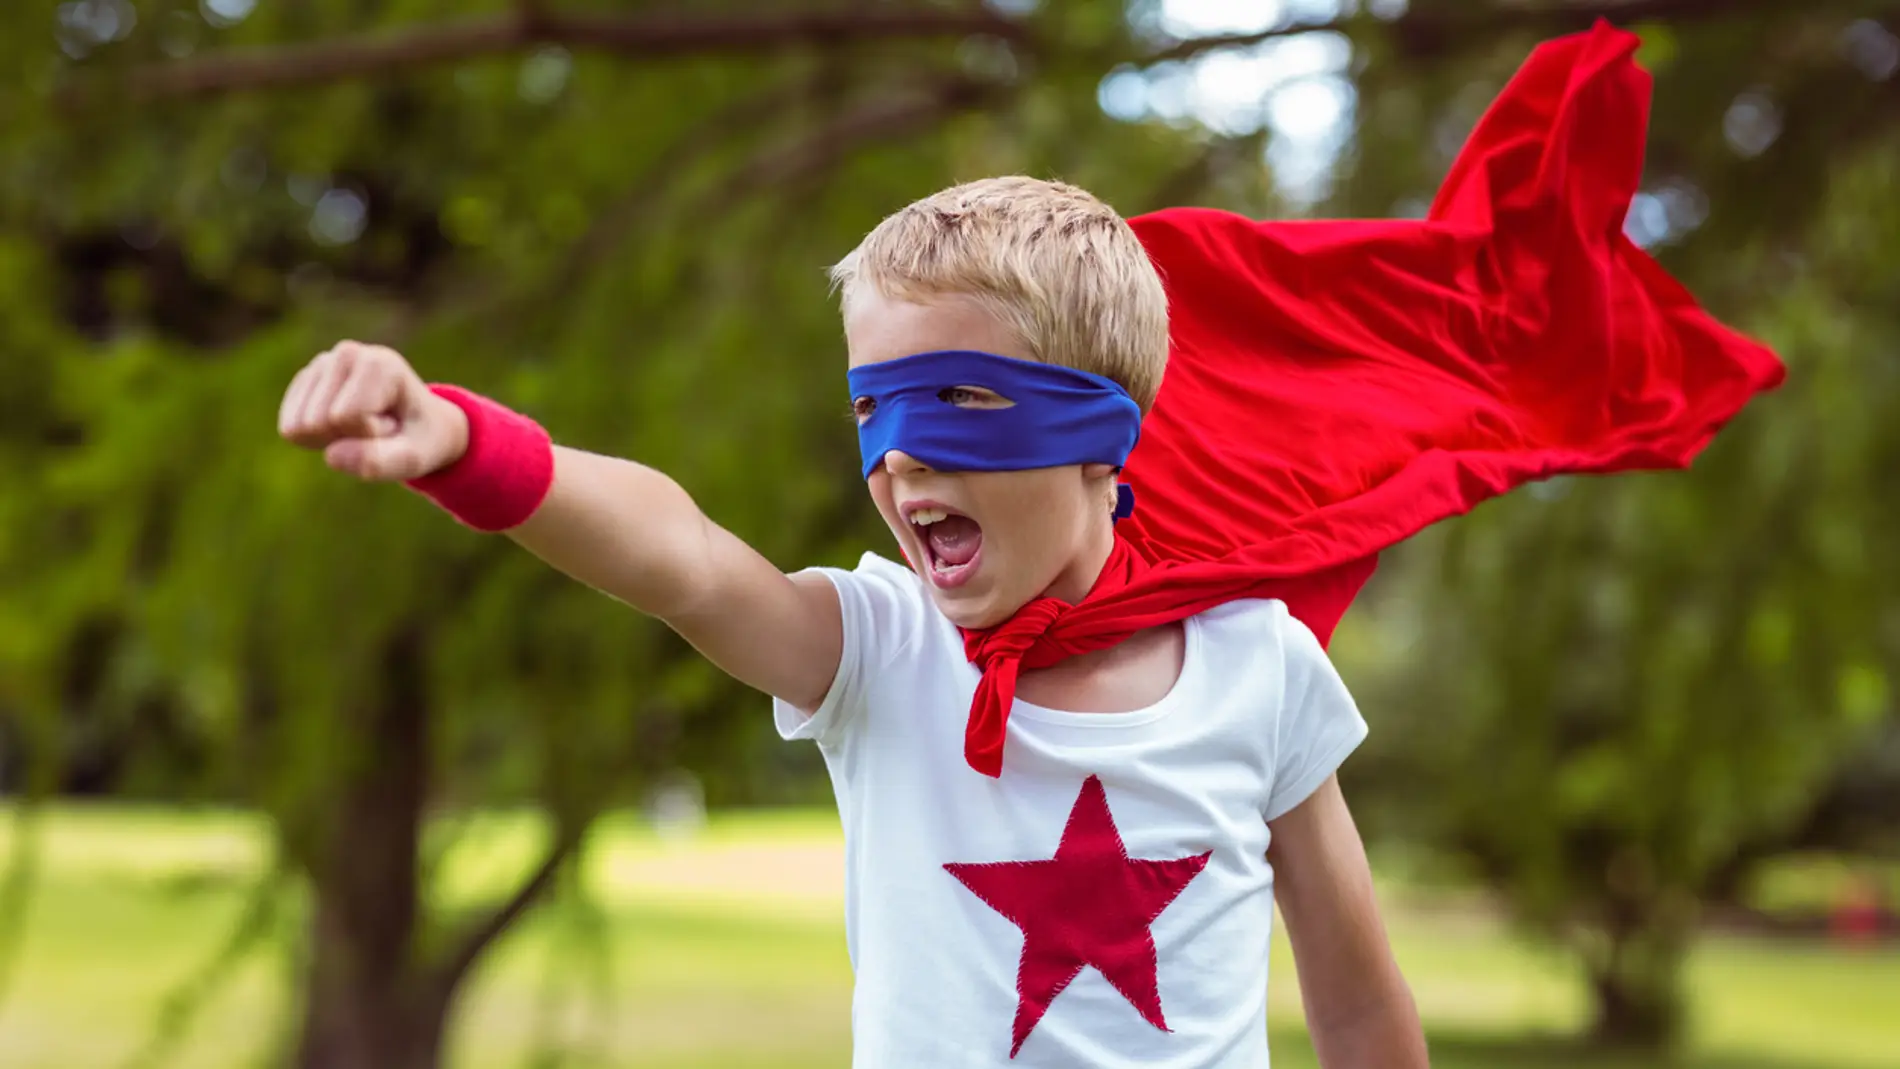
x,y
368,1002
1638,987
364,1018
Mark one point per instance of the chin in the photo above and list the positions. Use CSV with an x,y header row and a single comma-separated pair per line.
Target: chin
x,y
971,613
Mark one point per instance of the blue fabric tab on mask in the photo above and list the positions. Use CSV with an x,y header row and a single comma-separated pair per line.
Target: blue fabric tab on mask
x,y
1059,416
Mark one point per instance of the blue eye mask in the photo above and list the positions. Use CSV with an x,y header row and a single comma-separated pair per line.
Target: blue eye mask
x,y
1059,416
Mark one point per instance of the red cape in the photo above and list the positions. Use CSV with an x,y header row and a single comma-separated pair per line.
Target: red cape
x,y
1334,387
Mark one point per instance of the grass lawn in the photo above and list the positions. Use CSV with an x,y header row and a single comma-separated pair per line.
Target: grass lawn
x,y
728,952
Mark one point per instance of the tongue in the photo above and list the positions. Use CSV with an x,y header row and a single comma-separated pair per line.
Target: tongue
x,y
954,539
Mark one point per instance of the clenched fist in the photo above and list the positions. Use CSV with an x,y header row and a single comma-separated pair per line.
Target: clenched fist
x,y
372,415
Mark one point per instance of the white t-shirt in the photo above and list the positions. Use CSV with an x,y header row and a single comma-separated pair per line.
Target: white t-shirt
x,y
982,912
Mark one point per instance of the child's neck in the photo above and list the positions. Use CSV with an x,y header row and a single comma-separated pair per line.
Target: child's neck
x,y
1074,582
1124,678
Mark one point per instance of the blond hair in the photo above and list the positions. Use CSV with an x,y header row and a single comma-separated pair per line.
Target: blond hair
x,y
1060,267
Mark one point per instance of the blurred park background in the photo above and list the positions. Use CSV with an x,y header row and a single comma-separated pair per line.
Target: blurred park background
x,y
294,766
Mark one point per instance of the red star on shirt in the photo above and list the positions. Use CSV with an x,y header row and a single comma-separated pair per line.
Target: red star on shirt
x,y
1091,904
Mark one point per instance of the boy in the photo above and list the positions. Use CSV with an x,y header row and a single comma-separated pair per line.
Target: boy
x,y
1078,764
1150,785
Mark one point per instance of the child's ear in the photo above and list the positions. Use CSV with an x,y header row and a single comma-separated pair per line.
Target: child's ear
x,y
1105,474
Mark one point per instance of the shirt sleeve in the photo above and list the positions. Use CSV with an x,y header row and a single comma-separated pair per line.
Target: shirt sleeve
x,y
880,604
1319,723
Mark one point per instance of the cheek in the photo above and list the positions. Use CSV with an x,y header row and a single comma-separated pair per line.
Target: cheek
x,y
1059,496
879,485
1042,511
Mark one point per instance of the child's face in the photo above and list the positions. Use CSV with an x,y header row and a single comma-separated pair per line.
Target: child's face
x,y
1000,538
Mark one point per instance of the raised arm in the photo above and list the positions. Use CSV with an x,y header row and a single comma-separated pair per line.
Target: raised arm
x,y
632,532
620,527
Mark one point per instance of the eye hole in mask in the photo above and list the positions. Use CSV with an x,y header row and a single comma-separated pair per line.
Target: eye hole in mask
x,y
973,397
977,397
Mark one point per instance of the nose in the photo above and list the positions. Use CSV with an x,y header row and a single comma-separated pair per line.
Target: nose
x,y
898,462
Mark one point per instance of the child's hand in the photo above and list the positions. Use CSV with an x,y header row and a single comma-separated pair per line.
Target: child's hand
x,y
372,415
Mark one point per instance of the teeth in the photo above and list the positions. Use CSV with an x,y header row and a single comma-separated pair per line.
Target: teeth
x,y
926,517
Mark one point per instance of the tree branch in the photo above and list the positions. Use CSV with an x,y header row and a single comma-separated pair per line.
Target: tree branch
x,y
530,24
186,1002
466,950
620,216
894,114
1432,31
1187,182
887,113
890,113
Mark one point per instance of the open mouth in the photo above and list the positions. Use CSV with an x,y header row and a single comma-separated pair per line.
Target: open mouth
x,y
952,541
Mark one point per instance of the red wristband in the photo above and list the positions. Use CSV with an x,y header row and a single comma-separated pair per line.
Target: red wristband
x,y
503,475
